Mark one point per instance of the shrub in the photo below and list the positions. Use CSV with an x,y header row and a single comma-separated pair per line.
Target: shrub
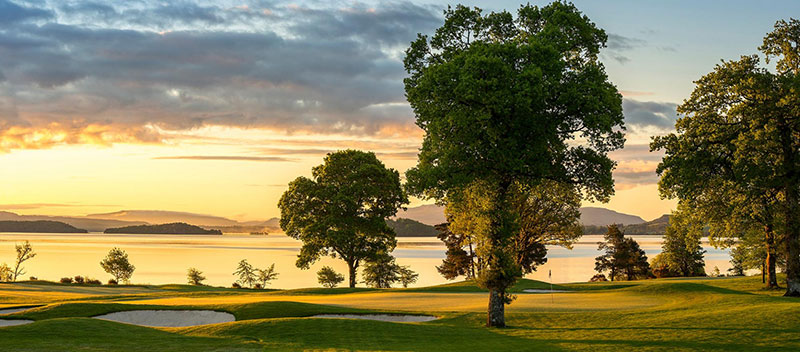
x,y
328,277
258,286
195,277
598,277
112,282
236,285
34,278
93,282
79,279
66,280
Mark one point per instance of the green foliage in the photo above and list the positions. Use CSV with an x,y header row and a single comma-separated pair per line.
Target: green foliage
x,y
622,258
511,101
195,277
681,253
329,278
383,271
342,211
265,276
116,263
380,272
458,261
547,214
248,275
6,274
24,253
406,276
736,152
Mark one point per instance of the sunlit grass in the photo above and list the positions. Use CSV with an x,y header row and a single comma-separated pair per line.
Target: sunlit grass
x,y
721,314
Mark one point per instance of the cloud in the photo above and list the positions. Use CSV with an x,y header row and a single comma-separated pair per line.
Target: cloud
x,y
11,13
226,158
617,45
154,66
649,114
632,173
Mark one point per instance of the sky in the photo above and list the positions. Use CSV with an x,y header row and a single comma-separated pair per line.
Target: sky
x,y
213,107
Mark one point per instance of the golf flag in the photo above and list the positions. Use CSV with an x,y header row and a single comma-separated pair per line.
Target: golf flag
x,y
550,274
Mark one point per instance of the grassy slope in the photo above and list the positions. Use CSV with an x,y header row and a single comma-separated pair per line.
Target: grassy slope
x,y
663,315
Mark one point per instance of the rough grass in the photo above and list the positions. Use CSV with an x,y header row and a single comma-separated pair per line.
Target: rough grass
x,y
726,314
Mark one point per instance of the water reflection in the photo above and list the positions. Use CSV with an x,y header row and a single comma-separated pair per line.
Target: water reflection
x,y
161,259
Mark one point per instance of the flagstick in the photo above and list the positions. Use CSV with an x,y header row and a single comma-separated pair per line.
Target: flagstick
x,y
550,276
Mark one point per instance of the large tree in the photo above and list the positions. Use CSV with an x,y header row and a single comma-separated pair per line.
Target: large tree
x,y
342,210
622,257
681,250
739,141
511,102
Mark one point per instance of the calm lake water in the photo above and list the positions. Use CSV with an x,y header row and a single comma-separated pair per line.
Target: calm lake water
x,y
162,259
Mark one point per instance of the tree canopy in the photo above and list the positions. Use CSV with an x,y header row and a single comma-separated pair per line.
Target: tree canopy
x,y
736,153
622,257
116,263
507,101
681,251
342,210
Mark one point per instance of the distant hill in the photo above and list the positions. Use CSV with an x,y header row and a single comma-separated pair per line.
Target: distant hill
x,y
591,216
176,228
92,225
411,228
430,214
655,227
163,216
45,226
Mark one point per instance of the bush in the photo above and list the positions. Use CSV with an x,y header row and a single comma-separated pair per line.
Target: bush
x,y
66,280
598,277
328,277
79,279
236,285
258,286
93,282
34,278
112,282
195,277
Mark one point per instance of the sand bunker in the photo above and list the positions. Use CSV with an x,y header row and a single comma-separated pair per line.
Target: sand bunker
x,y
380,317
169,318
14,310
4,323
533,290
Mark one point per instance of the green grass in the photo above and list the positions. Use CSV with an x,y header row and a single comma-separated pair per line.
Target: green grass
x,y
713,314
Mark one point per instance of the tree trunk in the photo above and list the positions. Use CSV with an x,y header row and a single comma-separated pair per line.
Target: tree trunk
x,y
790,185
763,273
496,311
352,270
497,307
471,261
770,262
792,240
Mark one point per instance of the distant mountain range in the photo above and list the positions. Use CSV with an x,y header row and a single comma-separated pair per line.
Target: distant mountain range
x,y
591,216
415,221
432,214
123,218
594,220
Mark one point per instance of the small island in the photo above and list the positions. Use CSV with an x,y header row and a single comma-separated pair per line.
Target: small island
x,y
43,226
176,228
